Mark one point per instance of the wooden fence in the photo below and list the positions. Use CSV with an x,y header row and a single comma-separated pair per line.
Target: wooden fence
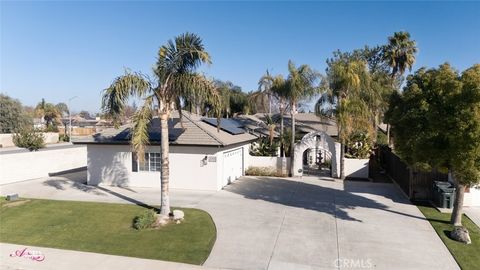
x,y
418,185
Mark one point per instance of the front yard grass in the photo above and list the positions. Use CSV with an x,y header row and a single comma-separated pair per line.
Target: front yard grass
x,y
467,256
106,228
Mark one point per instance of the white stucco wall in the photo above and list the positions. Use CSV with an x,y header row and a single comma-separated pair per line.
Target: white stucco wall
x,y
112,165
6,139
275,162
25,165
472,198
356,168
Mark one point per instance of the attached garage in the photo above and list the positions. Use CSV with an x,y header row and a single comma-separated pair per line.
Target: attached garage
x,y
201,156
233,165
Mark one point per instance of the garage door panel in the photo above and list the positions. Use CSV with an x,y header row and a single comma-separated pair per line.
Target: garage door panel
x,y
232,165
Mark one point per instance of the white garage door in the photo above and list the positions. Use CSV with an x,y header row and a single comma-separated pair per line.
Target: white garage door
x,y
232,165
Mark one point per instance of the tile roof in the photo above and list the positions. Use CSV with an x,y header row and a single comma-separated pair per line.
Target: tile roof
x,y
193,132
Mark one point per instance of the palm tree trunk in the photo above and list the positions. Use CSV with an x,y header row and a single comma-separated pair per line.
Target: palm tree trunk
x,y
282,146
457,211
342,160
375,127
292,141
165,174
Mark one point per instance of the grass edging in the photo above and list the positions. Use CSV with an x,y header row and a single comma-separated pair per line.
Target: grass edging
x,y
466,256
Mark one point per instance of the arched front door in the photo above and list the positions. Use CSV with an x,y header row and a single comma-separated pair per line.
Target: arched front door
x,y
322,143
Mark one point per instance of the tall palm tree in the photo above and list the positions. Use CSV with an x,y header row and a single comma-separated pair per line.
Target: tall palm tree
x,y
301,85
280,92
265,87
399,54
175,82
344,94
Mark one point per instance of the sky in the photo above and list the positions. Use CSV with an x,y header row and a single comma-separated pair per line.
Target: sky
x,y
58,50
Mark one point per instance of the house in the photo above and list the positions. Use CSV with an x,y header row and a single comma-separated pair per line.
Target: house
x,y
202,157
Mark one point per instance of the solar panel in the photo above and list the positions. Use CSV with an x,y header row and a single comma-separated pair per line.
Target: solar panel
x,y
231,126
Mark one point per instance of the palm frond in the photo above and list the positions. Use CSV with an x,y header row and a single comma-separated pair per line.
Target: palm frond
x,y
141,120
115,97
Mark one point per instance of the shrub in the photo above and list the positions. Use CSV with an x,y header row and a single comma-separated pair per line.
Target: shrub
x,y
263,171
29,138
358,145
263,148
145,220
63,138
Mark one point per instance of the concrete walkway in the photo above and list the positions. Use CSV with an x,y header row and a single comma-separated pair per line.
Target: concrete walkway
x,y
12,257
275,223
473,213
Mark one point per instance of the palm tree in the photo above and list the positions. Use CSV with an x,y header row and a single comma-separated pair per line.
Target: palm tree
x,y
301,85
265,87
399,54
343,97
280,92
175,82
49,112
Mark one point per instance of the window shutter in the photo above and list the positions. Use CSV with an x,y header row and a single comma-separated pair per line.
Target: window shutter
x,y
134,162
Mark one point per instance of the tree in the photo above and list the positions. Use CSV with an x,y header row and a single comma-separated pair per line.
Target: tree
x,y
399,54
265,86
86,114
346,90
12,115
62,109
49,113
436,124
301,85
280,92
175,82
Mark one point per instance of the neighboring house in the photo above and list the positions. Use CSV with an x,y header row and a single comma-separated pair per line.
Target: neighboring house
x,y
201,157
310,122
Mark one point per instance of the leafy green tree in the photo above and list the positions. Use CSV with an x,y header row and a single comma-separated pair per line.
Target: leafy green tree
x,y
175,82
12,115
436,123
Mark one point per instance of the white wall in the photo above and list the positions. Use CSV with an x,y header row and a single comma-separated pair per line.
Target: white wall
x,y
112,165
6,139
274,162
22,166
472,198
356,168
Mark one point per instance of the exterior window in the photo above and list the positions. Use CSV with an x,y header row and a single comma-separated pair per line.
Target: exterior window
x,y
151,163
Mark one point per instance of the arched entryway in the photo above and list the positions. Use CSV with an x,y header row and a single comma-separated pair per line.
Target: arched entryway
x,y
313,150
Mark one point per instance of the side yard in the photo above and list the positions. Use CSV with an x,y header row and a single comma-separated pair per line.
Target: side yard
x,y
467,256
105,228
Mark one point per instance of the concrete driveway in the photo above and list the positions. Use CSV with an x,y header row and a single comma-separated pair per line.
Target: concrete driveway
x,y
275,223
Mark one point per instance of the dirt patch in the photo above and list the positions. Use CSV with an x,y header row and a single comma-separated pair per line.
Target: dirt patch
x,y
15,203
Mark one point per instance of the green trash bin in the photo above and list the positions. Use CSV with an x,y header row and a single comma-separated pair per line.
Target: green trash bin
x,y
437,191
447,196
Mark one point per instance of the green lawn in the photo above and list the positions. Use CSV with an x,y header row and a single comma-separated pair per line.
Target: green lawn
x,y
467,256
106,228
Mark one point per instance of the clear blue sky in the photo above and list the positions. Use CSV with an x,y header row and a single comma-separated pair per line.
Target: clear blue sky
x,y
57,50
